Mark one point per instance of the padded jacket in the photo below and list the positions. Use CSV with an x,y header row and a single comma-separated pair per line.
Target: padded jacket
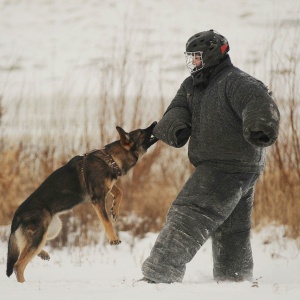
x,y
231,120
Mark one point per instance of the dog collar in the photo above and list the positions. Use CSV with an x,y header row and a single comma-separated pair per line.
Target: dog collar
x,y
105,155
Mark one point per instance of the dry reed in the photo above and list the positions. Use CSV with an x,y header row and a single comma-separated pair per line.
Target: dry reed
x,y
152,185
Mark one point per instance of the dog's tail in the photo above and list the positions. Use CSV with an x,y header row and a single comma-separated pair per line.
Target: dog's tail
x,y
12,254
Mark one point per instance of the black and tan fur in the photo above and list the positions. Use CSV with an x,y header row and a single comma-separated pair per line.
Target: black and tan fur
x,y
83,178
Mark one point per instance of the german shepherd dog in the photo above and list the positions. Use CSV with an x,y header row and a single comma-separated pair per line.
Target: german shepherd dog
x,y
87,178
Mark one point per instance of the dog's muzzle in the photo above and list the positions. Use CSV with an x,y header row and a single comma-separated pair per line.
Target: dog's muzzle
x,y
150,139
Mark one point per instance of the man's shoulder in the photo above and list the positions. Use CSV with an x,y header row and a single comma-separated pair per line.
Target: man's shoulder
x,y
238,76
188,80
235,72
187,83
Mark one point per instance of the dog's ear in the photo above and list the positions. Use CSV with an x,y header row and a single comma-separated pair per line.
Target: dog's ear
x,y
124,136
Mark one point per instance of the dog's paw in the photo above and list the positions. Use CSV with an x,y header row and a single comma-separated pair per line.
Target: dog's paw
x,y
44,255
115,242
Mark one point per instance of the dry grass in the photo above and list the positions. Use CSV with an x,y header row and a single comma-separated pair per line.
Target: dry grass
x,y
278,191
152,185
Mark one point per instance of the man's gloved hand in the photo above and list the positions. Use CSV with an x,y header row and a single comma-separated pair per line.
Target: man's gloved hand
x,y
183,135
261,136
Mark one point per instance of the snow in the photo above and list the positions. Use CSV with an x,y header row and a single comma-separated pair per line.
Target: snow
x,y
51,47
111,272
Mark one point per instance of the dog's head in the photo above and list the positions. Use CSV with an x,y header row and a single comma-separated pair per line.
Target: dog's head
x,y
137,141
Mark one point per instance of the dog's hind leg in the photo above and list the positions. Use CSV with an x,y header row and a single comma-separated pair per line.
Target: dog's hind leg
x,y
118,196
52,232
32,244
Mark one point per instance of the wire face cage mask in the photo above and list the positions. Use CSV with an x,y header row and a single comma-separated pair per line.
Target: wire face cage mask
x,y
194,61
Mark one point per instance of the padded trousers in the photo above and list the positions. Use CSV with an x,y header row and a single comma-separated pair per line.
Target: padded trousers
x,y
213,203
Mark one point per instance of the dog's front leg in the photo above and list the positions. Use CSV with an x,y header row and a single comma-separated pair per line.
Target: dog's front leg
x,y
103,216
118,196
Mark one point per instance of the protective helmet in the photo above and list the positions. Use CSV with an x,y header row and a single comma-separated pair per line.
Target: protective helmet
x,y
205,49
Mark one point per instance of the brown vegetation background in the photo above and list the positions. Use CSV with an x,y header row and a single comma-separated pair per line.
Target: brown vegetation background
x,y
152,185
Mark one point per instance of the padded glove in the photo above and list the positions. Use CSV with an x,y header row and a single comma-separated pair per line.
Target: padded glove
x,y
261,135
183,135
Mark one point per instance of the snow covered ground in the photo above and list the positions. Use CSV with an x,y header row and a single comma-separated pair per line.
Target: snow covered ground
x,y
54,47
105,272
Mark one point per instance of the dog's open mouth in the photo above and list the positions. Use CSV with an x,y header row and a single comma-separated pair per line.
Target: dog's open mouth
x,y
151,141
